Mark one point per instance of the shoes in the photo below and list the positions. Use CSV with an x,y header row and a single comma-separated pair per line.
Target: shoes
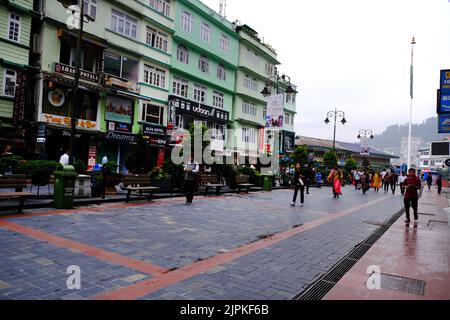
x,y
416,224
407,221
292,204
301,204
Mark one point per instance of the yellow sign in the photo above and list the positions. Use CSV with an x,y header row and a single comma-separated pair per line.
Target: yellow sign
x,y
66,121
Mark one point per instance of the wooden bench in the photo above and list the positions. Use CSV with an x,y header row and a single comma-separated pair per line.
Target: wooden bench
x,y
17,182
242,182
138,183
210,181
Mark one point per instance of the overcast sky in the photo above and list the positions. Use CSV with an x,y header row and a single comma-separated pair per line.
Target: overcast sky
x,y
354,55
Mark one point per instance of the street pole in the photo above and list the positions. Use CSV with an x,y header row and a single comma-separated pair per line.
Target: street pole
x,y
413,42
77,81
334,134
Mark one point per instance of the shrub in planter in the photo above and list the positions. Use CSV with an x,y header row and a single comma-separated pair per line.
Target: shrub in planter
x,y
80,167
9,163
229,172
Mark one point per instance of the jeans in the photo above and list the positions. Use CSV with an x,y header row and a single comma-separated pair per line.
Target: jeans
x,y
411,203
386,186
302,193
393,187
189,189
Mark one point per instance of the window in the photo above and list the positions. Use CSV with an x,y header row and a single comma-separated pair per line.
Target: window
x,y
252,57
187,21
14,27
250,83
120,66
290,98
154,76
200,93
218,99
162,6
153,114
287,118
9,83
200,123
206,32
218,131
182,54
225,43
180,122
221,74
157,39
264,114
90,8
269,69
124,24
249,108
180,87
203,64
248,135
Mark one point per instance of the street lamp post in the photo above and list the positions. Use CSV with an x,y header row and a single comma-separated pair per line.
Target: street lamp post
x,y
75,107
364,134
335,114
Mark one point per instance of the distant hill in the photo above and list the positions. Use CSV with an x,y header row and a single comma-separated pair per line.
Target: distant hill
x,y
391,137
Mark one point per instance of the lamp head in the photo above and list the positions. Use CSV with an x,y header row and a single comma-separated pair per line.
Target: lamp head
x,y
327,121
359,136
344,121
265,92
290,90
68,3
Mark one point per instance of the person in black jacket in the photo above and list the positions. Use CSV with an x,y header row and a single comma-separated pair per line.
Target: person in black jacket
x,y
299,184
308,173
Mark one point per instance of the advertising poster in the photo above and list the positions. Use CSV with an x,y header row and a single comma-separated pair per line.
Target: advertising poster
x,y
119,110
275,111
443,123
92,157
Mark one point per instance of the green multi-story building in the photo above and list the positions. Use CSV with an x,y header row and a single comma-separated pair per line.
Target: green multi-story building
x,y
203,71
15,26
124,85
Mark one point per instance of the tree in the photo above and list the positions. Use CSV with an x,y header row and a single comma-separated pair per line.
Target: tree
x,y
330,159
139,160
300,155
350,165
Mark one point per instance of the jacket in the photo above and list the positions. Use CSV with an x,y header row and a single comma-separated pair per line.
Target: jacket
x,y
412,184
297,176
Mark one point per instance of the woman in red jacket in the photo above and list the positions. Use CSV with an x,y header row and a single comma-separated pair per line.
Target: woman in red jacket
x,y
412,184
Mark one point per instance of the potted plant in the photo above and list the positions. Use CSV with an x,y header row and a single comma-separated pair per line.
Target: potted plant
x,y
110,176
160,178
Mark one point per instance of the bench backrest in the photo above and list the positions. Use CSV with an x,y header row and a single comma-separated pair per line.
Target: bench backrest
x,y
13,181
242,179
208,179
142,180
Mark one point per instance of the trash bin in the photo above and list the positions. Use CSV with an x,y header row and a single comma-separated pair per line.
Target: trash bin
x,y
64,187
267,183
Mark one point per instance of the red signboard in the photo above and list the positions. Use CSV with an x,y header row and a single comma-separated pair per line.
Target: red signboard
x,y
92,157
160,161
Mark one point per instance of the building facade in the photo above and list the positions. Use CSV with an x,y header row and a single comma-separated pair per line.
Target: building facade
x,y
125,61
203,68
16,108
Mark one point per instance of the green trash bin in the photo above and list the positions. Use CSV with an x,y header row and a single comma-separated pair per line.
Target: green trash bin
x,y
267,183
64,187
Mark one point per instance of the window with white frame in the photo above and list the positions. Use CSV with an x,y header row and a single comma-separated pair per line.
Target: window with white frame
x,y
218,99
269,69
180,122
182,54
200,123
120,66
248,135
187,21
200,93
206,32
154,76
264,114
225,43
180,87
90,8
250,83
287,118
290,98
249,108
157,39
153,114
14,26
218,131
221,73
203,64
124,24
162,6
9,83
252,57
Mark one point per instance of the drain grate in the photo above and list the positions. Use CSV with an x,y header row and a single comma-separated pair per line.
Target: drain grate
x,y
338,272
359,251
376,223
317,292
426,214
372,239
407,285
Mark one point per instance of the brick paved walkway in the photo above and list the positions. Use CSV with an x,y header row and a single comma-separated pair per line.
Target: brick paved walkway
x,y
228,247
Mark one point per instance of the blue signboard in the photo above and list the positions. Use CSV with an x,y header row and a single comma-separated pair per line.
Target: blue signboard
x,y
443,123
445,81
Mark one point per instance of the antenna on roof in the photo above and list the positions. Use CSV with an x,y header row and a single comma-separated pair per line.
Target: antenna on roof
x,y
223,8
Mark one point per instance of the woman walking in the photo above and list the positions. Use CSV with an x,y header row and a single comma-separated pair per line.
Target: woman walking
x,y
335,178
299,184
377,181
412,185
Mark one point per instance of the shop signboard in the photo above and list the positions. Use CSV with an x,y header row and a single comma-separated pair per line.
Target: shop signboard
x,y
197,110
275,112
119,110
92,157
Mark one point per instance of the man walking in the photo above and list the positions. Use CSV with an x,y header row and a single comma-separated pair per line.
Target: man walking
x,y
429,181
393,178
439,184
412,184
401,182
191,169
308,174
299,184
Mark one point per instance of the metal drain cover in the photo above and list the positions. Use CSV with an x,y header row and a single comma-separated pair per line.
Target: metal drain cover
x,y
377,223
407,285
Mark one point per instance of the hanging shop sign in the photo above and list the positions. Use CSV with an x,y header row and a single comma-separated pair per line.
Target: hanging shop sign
x,y
119,136
155,134
443,123
198,110
20,96
66,121
160,161
119,110
92,157
70,71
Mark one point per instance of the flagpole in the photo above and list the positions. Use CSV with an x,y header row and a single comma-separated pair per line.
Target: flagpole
x,y
413,42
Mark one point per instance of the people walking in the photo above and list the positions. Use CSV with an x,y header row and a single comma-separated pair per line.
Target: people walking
x,y
429,181
401,182
393,178
383,175
299,184
377,181
65,158
308,174
386,182
191,169
439,184
412,185
365,182
335,178
357,178
319,179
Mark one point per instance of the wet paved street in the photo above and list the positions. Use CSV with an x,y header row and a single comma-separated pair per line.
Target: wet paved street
x,y
251,246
